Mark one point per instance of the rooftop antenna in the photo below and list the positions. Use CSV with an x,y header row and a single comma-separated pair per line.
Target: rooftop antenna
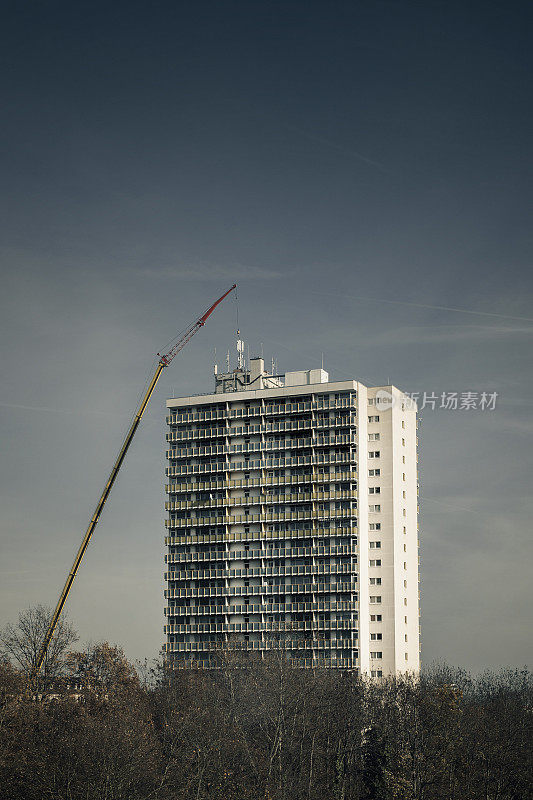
x,y
240,343
240,351
322,360
262,351
215,367
272,362
227,362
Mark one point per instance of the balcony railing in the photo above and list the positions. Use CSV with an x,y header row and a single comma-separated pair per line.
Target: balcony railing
x,y
251,555
240,591
254,411
245,519
260,447
286,644
264,627
251,536
262,499
315,476
318,607
256,572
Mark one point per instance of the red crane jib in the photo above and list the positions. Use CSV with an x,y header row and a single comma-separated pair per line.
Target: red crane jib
x,y
209,311
189,333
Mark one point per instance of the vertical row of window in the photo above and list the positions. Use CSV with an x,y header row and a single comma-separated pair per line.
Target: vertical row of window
x,y
374,581
404,514
376,544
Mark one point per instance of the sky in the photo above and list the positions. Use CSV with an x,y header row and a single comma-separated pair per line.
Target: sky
x,y
362,170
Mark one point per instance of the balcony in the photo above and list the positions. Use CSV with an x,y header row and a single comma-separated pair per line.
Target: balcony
x,y
193,435
257,572
263,627
320,606
250,555
263,499
251,536
258,429
285,644
245,519
246,483
265,410
243,591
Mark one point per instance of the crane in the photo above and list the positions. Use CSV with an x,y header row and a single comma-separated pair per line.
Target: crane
x,y
164,361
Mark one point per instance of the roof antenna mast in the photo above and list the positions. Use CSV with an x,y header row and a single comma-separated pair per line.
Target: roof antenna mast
x,y
239,341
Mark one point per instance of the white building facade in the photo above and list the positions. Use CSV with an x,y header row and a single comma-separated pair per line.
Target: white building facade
x,y
293,522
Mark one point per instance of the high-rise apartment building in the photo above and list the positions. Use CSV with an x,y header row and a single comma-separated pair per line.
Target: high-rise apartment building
x,y
292,522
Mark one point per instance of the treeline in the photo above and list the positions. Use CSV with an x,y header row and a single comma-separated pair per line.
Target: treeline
x,y
261,730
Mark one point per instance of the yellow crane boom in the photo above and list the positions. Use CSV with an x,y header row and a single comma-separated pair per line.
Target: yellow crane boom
x,y
164,361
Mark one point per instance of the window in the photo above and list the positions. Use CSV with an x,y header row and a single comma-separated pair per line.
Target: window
x,y
374,508
405,548
374,544
375,562
376,654
375,617
403,459
374,419
375,598
373,472
403,424
374,526
405,563
371,401
405,601
376,673
376,637
375,581
374,454
403,476
374,490
406,657
405,637
373,437
405,620
405,584
403,442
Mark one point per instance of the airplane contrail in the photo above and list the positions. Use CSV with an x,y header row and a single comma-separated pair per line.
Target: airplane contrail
x,y
57,410
426,305
339,147
35,408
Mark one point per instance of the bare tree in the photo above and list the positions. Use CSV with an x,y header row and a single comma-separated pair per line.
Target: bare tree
x,y
21,643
